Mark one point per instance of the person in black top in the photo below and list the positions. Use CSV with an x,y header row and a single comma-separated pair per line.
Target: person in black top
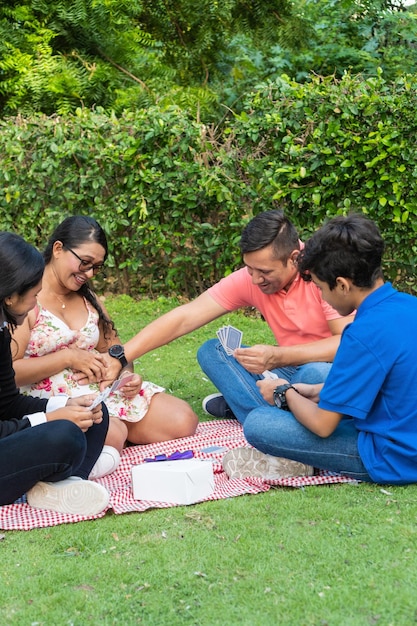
x,y
47,447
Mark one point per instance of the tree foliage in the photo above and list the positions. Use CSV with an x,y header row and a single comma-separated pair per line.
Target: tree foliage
x,y
357,36
194,35
55,57
205,56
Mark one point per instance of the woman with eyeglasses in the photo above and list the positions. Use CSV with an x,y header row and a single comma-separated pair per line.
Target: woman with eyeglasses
x,y
47,447
67,335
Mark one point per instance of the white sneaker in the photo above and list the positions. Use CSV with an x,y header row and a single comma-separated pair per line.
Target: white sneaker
x,y
106,463
72,495
245,462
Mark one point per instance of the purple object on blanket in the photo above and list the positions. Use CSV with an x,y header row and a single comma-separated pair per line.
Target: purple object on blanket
x,y
175,456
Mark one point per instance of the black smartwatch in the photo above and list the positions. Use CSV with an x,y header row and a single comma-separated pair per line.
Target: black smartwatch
x,y
118,352
280,399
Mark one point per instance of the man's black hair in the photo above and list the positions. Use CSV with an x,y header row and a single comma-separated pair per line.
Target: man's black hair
x,y
270,228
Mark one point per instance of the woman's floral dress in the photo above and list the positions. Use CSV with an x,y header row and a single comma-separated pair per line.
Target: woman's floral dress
x,y
50,334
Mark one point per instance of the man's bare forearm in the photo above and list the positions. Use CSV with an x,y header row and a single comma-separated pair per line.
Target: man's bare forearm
x,y
323,350
176,323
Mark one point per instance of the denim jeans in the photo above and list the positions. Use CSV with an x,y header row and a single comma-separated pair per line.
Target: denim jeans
x,y
277,432
238,386
48,452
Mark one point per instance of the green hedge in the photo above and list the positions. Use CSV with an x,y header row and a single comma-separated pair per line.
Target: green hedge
x,y
173,194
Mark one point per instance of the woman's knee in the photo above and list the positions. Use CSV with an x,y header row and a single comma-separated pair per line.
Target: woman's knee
x,y
186,421
117,434
168,418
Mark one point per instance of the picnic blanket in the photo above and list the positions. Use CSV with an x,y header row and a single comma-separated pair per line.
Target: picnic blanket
x,y
225,433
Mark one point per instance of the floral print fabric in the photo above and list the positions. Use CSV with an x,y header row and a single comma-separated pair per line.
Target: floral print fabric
x,y
50,334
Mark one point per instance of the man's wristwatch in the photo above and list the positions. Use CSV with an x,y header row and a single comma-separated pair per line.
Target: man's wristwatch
x,y
280,399
118,352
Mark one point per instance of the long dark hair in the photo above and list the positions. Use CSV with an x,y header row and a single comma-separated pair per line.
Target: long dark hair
x,y
22,268
72,232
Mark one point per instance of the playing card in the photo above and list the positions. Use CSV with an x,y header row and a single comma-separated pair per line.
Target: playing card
x,y
213,449
234,338
268,374
226,340
230,338
220,335
120,382
102,396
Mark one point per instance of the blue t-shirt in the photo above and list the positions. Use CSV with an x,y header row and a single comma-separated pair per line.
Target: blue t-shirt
x,y
374,380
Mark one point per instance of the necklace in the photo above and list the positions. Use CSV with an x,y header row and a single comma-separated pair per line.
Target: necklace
x,y
61,301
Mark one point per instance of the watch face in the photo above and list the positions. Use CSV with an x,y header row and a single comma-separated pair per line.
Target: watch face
x,y
116,351
279,395
277,398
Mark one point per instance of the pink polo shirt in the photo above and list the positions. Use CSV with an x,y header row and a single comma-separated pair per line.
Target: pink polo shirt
x,y
296,316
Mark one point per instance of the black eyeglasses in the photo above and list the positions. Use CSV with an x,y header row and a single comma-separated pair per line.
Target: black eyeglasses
x,y
86,266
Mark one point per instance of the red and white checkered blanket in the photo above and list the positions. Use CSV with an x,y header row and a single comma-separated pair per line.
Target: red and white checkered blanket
x,y
227,433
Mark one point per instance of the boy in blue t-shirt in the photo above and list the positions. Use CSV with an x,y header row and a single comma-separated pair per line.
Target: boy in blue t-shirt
x,y
362,422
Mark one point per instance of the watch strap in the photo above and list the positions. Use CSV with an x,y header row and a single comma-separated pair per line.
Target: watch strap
x,y
123,361
281,393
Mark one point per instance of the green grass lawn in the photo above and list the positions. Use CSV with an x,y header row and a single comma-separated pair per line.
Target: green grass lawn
x,y
339,555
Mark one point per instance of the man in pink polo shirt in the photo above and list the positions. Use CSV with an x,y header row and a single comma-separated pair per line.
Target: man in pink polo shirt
x,y
306,329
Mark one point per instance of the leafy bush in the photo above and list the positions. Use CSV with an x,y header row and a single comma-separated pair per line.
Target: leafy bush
x,y
173,194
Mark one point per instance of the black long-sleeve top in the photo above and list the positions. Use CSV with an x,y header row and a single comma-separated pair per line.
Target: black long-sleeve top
x,y
13,405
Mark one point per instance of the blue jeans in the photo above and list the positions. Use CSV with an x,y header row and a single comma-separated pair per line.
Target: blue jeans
x,y
277,432
238,386
48,452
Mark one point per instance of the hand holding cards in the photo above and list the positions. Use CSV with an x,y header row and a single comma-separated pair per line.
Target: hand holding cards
x,y
103,395
230,338
121,382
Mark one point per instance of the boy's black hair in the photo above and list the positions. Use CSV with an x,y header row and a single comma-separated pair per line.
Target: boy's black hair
x,y
348,247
